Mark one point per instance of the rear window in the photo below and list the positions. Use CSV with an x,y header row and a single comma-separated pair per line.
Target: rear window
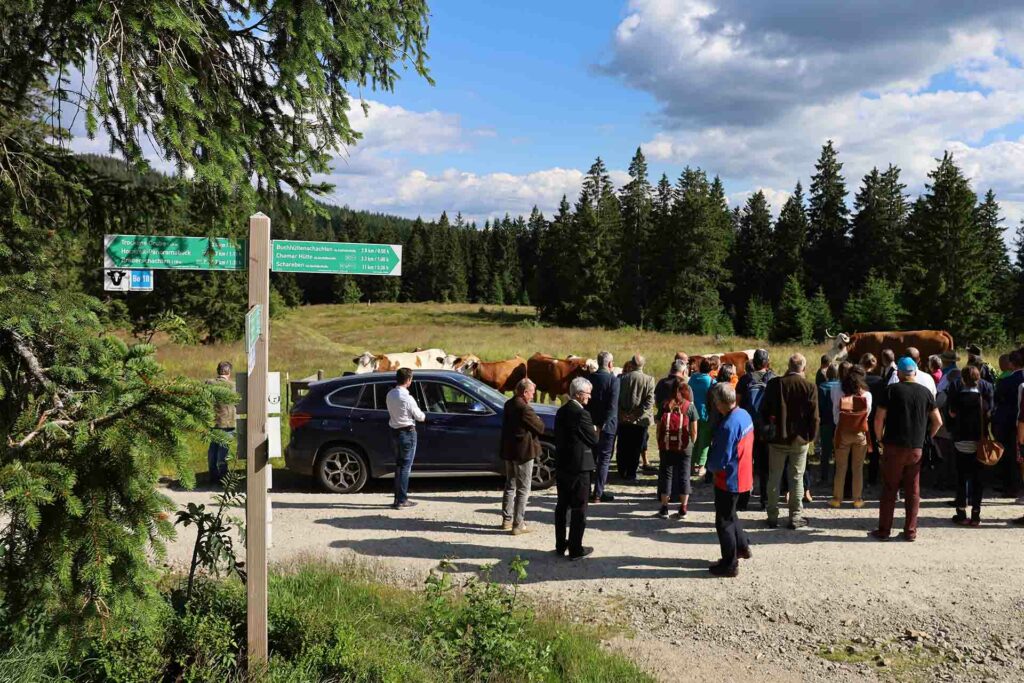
x,y
346,397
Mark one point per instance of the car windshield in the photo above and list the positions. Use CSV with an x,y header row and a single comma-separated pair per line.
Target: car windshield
x,y
482,389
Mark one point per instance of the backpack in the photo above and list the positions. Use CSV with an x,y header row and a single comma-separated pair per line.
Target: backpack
x,y
753,397
674,428
853,415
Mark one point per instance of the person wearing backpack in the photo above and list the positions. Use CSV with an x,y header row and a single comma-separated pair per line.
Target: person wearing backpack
x,y
750,392
677,432
850,414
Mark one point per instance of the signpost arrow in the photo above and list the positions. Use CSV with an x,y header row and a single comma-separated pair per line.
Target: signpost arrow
x,y
174,253
336,258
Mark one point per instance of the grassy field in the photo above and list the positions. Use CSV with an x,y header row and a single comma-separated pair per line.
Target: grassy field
x,y
328,337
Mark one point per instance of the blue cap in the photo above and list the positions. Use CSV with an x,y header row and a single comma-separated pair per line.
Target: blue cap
x,y
906,364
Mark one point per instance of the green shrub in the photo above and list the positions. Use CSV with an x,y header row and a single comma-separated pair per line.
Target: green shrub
x,y
129,646
206,649
484,635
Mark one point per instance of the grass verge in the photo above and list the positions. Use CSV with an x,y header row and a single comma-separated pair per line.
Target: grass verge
x,y
328,622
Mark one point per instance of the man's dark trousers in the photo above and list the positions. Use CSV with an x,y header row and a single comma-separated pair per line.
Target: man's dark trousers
x,y
573,491
217,458
627,457
1007,471
603,458
731,536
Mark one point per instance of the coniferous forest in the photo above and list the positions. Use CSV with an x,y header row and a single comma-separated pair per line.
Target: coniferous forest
x,y
670,256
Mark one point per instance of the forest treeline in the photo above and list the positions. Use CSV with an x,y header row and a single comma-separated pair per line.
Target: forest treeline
x,y
671,256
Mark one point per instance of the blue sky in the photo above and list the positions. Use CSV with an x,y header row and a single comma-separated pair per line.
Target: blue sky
x,y
528,93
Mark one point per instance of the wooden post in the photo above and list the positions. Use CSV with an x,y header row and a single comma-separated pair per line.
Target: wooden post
x,y
256,448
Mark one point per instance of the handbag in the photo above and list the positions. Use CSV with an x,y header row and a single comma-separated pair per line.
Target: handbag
x,y
989,450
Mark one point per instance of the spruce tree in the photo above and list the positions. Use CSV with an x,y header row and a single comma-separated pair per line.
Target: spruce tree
x,y
879,226
875,306
634,282
382,288
821,315
561,272
481,264
536,271
827,255
448,262
1016,322
793,316
417,281
952,279
759,320
790,239
751,259
596,233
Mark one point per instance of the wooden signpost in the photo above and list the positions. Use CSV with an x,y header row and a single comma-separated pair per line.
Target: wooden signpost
x,y
260,255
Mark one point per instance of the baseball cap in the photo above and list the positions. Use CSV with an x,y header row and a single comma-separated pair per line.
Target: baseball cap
x,y
906,364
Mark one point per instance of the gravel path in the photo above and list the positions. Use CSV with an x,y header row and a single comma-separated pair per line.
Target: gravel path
x,y
821,603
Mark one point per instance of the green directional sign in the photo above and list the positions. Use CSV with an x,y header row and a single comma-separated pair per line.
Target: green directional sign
x,y
336,258
174,253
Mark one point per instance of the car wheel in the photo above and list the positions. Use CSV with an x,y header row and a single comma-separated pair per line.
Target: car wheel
x,y
341,469
544,467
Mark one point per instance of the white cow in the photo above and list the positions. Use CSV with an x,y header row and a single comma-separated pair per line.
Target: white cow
x,y
429,359
591,366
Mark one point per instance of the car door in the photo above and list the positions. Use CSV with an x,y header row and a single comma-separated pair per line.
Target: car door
x,y
462,432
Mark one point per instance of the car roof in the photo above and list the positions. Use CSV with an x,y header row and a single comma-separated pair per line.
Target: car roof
x,y
365,377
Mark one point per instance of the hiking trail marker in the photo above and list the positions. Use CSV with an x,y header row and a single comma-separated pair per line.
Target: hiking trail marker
x,y
128,254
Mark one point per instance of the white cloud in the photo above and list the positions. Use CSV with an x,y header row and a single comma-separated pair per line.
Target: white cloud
x,y
742,62
477,196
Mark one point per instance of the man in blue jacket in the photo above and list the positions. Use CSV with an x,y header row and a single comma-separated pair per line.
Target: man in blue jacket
x,y
731,460
604,411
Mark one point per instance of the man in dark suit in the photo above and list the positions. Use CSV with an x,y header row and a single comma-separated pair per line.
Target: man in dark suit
x,y
604,411
520,445
575,438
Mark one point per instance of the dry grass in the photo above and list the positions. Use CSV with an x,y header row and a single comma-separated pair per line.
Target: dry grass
x,y
328,337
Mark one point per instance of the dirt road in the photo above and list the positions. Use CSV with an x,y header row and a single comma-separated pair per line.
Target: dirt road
x,y
821,603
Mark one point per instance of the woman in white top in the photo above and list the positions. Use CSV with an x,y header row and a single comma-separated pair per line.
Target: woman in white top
x,y
850,413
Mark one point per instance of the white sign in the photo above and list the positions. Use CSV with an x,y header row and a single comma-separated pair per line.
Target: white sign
x,y
273,393
274,436
115,280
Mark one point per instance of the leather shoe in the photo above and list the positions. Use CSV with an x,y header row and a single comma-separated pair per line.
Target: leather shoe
x,y
559,551
725,571
607,497
878,534
744,553
594,499
584,551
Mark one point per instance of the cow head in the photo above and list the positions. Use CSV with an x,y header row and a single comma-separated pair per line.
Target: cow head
x,y
591,365
367,362
447,362
840,345
467,364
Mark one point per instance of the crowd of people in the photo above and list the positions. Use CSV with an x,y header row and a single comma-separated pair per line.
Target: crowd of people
x,y
893,417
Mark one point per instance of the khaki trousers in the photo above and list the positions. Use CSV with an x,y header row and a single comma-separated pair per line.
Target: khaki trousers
x,y
850,450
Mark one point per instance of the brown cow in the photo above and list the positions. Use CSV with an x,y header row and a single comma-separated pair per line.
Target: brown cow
x,y
502,375
737,358
855,345
553,375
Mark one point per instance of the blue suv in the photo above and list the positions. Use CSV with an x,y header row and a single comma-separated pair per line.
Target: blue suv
x,y
340,434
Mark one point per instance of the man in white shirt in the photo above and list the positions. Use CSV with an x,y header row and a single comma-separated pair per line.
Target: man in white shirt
x,y
922,378
403,414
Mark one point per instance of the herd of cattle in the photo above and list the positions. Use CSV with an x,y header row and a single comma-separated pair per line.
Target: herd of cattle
x,y
552,375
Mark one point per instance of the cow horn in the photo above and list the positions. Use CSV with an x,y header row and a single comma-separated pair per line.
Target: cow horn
x,y
829,335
